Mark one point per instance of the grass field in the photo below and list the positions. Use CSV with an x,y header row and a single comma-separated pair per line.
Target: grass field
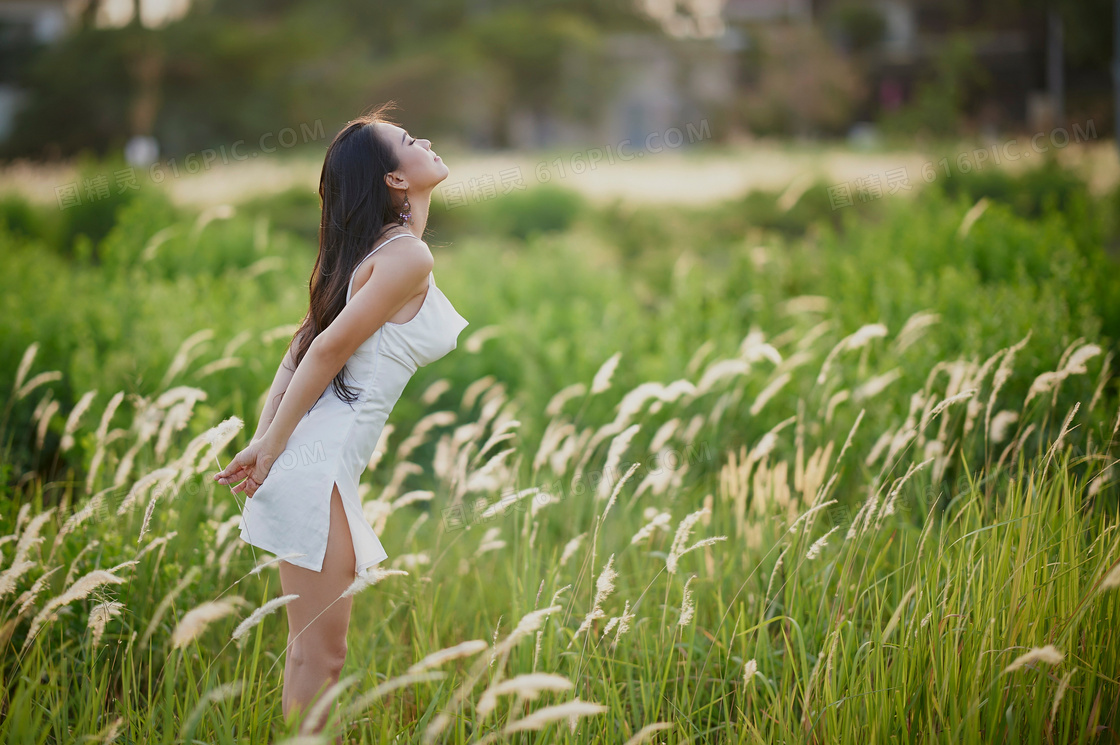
x,y
757,471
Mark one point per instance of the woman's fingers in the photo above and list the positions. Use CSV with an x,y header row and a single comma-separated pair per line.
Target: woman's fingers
x,y
231,478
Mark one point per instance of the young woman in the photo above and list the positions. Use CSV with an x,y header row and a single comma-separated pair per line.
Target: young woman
x,y
375,316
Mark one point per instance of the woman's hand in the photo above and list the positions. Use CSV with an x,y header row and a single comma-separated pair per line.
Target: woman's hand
x,y
250,466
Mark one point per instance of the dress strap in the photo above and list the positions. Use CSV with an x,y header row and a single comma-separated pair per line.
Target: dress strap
x,y
350,287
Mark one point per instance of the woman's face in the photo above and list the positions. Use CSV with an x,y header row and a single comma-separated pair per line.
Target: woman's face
x,y
421,168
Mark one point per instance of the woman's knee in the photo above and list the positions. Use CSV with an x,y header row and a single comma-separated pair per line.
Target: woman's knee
x,y
328,655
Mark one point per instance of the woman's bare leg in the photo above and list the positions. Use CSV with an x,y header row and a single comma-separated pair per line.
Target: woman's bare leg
x,y
316,655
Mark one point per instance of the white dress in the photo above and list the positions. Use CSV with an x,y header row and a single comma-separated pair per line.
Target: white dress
x,y
333,442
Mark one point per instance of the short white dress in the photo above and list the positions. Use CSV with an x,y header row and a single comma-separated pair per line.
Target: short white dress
x,y
333,442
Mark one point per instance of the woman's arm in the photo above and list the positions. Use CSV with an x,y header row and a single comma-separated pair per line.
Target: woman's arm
x,y
279,385
392,284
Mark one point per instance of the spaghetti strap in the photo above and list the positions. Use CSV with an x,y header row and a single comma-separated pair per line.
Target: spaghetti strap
x,y
350,287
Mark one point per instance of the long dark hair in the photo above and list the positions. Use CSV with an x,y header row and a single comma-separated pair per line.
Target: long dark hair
x,y
357,208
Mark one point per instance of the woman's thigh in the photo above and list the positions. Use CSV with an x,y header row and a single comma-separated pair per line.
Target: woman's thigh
x,y
319,605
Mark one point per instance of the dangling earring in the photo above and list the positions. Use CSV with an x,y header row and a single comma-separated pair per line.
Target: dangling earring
x,y
406,212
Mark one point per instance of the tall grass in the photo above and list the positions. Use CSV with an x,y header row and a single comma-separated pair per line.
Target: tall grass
x,y
821,522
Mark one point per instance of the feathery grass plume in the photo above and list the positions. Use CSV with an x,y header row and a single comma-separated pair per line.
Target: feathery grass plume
x,y
774,573
688,605
102,439
499,434
561,397
1049,654
1057,445
492,476
27,597
99,617
159,478
435,659
30,536
111,731
102,432
604,586
624,622
43,417
614,457
970,217
962,396
412,497
1102,379
223,434
1002,374
602,379
769,392
77,591
1062,685
177,418
657,521
165,484
634,401
76,561
819,544
198,618
684,529
889,502
570,548
860,338
721,370
279,332
25,364
183,355
527,687
897,615
754,348
156,543
529,623
913,328
1000,424
362,702
809,513
1112,579
275,560
92,506
490,541
549,714
40,379
750,669
618,487
258,615
157,616
503,503
371,577
318,711
646,732
11,575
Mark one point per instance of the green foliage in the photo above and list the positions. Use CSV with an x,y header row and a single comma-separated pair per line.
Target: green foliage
x,y
812,397
942,99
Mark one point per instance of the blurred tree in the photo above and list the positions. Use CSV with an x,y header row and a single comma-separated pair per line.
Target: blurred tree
x,y
802,85
240,69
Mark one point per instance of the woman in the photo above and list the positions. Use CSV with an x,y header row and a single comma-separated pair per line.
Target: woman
x,y
373,320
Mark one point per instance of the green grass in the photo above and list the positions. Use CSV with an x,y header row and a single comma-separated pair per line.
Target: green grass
x,y
892,517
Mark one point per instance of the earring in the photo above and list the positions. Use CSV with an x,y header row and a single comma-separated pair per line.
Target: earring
x,y
406,212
